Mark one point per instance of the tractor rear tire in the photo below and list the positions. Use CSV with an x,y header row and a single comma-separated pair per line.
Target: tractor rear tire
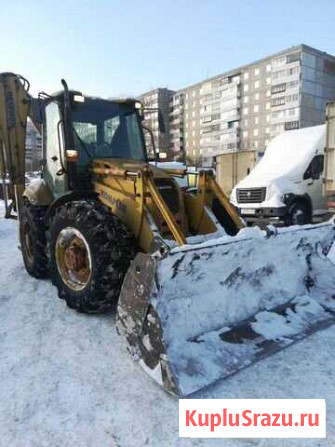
x,y
33,239
90,252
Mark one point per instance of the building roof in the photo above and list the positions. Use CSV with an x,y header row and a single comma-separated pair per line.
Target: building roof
x,y
156,90
299,47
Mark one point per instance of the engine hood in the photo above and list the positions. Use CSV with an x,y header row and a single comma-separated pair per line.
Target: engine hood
x,y
121,167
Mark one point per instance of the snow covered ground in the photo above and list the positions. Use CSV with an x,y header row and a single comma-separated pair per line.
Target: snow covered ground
x,y
66,379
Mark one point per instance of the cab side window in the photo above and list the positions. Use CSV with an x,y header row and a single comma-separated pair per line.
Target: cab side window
x,y
315,168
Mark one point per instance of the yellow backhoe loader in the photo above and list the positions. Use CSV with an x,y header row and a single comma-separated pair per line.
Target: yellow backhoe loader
x,y
198,296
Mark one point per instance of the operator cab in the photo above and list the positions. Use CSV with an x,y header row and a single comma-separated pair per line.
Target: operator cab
x,y
79,129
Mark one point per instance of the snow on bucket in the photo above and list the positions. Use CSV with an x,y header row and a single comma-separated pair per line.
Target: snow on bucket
x,y
203,312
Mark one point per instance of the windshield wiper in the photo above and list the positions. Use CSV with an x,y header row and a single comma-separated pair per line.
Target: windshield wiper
x,y
83,144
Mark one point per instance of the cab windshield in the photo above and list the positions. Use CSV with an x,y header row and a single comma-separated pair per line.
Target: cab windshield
x,y
106,129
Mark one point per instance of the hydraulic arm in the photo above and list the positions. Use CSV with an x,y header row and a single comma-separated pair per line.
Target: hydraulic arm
x,y
16,105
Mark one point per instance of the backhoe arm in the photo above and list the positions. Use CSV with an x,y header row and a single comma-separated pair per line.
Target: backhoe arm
x,y
15,106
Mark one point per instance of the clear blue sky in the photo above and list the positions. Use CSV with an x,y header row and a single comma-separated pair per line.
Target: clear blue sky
x,y
125,47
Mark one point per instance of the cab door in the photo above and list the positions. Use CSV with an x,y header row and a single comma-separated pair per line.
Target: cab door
x,y
54,172
313,184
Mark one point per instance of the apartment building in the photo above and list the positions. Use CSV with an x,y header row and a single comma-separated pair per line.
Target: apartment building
x,y
157,99
176,127
244,108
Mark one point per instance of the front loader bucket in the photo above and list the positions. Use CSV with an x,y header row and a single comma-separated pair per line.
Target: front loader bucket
x,y
203,312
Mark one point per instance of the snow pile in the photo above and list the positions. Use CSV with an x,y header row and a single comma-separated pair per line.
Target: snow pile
x,y
225,281
273,326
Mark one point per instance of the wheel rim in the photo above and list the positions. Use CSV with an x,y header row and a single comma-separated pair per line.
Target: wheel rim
x,y
73,258
298,216
28,242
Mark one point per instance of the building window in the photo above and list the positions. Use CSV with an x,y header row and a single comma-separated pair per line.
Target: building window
x,y
268,67
292,84
292,58
267,106
245,110
206,119
246,99
268,93
256,84
292,125
256,72
245,134
268,80
279,61
278,101
216,116
284,73
267,130
293,71
279,88
293,112
233,124
246,76
246,88
255,132
292,98
234,79
329,67
256,96
256,108
256,120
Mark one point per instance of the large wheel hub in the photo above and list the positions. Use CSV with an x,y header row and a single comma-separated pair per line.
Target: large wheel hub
x,y
73,258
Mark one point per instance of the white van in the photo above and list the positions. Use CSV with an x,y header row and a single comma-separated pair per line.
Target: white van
x,y
287,182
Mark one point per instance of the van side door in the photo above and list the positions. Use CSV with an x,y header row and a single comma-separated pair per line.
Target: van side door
x,y
313,184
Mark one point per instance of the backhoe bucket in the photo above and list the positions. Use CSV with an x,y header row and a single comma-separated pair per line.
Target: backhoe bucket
x,y
203,312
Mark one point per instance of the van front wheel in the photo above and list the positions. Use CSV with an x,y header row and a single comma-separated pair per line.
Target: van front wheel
x,y
299,214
